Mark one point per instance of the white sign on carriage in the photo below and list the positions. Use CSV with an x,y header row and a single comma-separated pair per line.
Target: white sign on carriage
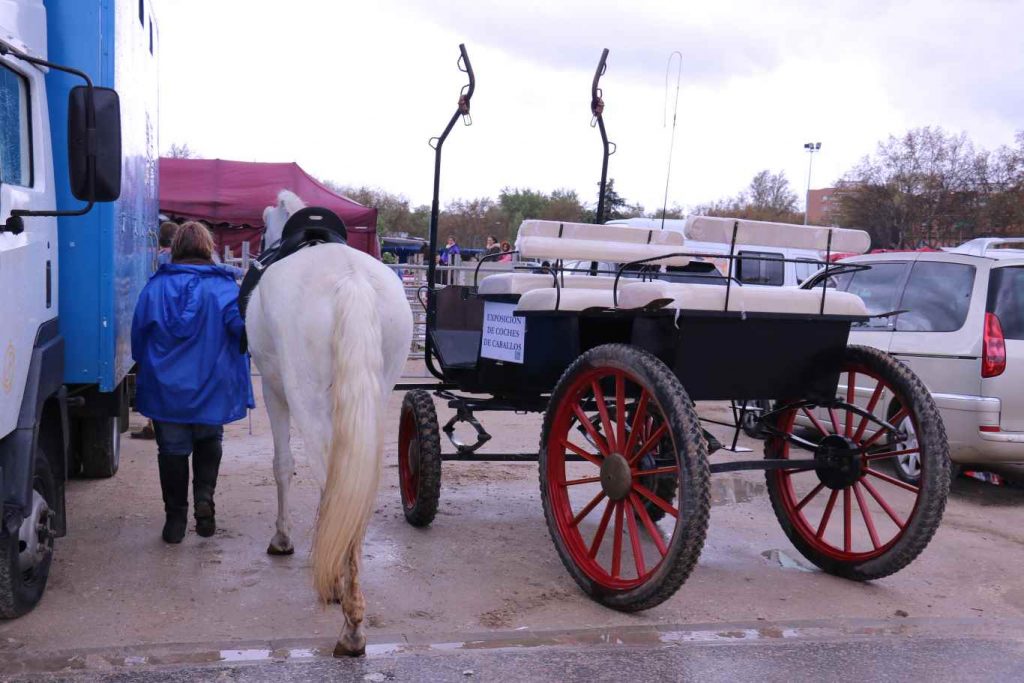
x,y
504,333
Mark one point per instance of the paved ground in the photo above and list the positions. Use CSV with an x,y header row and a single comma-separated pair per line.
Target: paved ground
x,y
486,566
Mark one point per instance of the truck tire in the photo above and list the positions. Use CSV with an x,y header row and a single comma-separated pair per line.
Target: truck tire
x,y
26,555
99,447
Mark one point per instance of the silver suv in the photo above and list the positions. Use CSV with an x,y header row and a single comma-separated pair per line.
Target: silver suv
x,y
960,326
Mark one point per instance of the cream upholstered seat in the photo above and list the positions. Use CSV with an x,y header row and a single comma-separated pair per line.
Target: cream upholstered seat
x,y
749,299
567,300
767,234
590,242
520,283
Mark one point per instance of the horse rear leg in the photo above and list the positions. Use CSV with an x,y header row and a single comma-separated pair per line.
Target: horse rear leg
x,y
284,466
352,641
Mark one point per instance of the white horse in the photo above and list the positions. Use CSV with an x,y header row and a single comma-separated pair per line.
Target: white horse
x,y
329,328
274,217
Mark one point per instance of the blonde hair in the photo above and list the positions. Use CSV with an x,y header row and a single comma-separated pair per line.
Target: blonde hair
x,y
192,241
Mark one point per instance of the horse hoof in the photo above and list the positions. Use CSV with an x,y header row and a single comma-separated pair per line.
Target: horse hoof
x,y
278,550
353,649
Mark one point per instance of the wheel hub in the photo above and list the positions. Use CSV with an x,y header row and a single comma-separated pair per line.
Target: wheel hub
x,y
35,534
616,477
838,463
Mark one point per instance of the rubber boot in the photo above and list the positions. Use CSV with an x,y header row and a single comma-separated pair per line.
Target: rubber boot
x,y
174,484
205,466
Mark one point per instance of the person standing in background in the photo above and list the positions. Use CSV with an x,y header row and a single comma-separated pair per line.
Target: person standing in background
x,y
506,251
167,231
492,246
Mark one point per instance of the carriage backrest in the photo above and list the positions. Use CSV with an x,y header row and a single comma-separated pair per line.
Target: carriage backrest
x,y
783,235
555,240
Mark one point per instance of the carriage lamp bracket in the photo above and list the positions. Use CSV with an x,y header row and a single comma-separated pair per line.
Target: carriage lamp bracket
x,y
464,414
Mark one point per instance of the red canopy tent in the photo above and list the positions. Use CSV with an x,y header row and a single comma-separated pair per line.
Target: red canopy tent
x,y
231,196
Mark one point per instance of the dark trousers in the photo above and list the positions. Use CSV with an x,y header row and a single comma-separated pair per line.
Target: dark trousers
x,y
175,442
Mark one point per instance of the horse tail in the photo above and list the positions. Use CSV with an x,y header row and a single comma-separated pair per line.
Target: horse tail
x,y
353,467
290,201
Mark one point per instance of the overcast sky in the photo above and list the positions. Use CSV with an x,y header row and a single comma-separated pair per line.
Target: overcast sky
x,y
352,91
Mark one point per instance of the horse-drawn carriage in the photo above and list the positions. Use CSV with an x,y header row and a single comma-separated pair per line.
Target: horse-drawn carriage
x,y
615,360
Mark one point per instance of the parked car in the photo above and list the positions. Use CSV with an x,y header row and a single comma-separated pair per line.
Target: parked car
x,y
957,319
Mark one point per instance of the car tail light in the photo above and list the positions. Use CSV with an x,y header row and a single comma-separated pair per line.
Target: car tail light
x,y
993,348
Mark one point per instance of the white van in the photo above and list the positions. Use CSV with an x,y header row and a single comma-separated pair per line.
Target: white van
x,y
750,271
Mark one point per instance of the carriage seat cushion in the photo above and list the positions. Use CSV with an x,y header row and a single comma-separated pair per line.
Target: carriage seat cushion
x,y
749,299
520,283
569,300
591,242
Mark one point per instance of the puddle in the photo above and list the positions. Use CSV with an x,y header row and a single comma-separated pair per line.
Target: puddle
x,y
785,560
726,490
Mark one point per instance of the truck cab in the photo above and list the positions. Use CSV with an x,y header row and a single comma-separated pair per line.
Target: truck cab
x,y
75,250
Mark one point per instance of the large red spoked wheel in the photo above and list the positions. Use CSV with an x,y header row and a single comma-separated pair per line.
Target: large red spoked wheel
x,y
620,431
419,458
848,515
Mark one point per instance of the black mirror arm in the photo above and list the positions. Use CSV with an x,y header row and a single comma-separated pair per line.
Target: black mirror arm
x,y
15,224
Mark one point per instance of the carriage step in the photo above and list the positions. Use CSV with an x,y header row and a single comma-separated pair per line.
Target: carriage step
x,y
463,414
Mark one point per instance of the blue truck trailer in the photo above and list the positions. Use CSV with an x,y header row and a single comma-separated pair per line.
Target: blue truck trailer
x,y
78,219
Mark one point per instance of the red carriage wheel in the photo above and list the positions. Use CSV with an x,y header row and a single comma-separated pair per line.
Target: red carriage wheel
x,y
419,458
618,431
848,515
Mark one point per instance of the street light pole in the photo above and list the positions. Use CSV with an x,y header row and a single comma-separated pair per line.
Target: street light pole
x,y
811,148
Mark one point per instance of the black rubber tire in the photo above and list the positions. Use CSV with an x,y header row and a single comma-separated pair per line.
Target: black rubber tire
x,y
693,485
934,486
99,447
20,592
419,416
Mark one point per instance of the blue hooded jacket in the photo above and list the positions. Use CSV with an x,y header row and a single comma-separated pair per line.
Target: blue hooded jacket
x,y
186,338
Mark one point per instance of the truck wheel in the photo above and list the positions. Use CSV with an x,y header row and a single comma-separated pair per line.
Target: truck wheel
x,y
99,445
26,555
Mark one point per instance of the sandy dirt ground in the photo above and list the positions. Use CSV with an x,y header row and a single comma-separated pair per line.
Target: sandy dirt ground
x,y
486,565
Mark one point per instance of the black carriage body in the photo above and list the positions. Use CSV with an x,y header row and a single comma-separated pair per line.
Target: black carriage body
x,y
716,355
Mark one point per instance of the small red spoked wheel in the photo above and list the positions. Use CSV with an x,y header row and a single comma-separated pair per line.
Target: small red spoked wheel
x,y
620,430
847,514
419,458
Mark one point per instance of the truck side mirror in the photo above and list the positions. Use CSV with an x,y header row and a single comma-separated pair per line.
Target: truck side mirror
x,y
94,143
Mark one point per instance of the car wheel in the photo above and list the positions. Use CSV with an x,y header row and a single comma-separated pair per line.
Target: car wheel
x,y
907,467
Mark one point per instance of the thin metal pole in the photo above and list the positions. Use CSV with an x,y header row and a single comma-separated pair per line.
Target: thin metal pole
x,y
807,197
672,141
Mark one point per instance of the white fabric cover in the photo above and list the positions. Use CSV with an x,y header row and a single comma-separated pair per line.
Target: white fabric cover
x,y
571,300
520,283
591,242
763,233
696,297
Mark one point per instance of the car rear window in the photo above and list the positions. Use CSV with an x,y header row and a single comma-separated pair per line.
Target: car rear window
x,y
761,268
1006,299
937,297
878,286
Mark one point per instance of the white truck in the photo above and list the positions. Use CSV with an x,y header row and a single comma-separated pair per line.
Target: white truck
x,y
78,208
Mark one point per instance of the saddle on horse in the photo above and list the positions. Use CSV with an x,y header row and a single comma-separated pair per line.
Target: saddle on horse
x,y
305,228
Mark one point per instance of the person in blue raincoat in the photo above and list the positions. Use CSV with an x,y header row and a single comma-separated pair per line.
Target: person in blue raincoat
x,y
192,376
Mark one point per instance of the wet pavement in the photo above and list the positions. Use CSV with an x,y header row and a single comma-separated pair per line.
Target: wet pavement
x,y
910,650
487,567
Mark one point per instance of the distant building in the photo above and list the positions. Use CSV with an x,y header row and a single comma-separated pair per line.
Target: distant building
x,y
820,205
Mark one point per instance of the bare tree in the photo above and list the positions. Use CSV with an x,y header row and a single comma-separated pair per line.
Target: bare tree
x,y
924,188
767,198
182,151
